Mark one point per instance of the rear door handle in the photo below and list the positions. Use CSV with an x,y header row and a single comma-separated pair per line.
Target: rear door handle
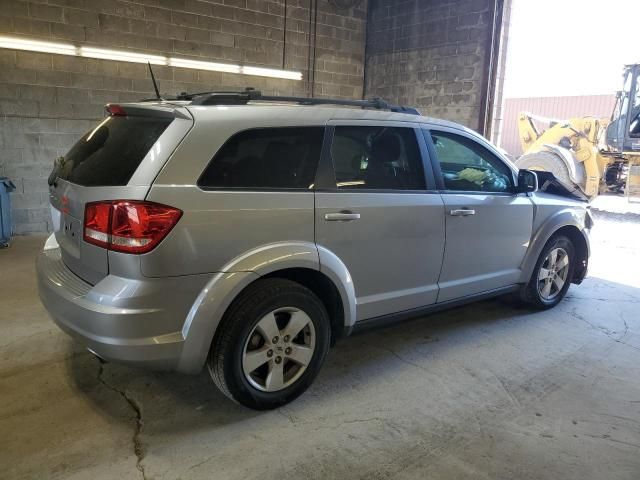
x,y
341,217
462,212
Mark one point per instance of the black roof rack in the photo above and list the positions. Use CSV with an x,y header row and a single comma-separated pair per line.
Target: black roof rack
x,y
249,95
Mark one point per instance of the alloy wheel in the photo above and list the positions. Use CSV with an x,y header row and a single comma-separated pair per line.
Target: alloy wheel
x,y
553,273
278,349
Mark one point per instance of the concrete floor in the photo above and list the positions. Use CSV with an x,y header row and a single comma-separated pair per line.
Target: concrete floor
x,y
486,391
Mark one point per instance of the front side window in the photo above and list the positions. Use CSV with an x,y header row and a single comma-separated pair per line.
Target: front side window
x,y
284,157
377,158
468,166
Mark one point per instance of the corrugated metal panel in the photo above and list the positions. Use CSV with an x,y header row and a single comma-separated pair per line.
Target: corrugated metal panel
x,y
552,107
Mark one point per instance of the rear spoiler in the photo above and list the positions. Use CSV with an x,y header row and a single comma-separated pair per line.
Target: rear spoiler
x,y
161,110
547,182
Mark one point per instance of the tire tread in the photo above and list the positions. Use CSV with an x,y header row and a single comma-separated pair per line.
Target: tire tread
x,y
529,292
231,325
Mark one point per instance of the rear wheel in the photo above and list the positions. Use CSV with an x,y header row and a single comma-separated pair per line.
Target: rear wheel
x,y
271,344
552,274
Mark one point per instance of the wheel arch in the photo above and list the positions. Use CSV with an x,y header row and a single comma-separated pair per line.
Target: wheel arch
x,y
298,261
565,223
581,244
320,284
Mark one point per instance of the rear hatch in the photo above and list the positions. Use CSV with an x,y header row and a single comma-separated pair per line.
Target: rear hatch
x,y
118,159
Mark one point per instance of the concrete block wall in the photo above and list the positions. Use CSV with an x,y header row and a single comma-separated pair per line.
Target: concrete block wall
x,y
48,101
430,54
497,117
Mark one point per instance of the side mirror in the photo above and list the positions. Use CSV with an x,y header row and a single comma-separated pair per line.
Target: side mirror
x,y
527,181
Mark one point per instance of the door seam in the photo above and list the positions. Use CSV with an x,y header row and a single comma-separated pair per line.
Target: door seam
x,y
444,249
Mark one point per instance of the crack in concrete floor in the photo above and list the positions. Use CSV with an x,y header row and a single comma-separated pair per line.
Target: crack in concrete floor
x,y
138,447
606,331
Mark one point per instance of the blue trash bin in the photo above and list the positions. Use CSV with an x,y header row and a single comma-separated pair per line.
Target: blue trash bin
x,y
6,186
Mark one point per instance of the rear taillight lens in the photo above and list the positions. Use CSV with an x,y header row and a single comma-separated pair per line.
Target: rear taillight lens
x,y
128,226
97,218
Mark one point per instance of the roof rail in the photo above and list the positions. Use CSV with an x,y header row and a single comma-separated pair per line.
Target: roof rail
x,y
249,95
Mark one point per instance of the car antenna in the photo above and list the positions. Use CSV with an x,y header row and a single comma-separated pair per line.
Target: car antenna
x,y
155,85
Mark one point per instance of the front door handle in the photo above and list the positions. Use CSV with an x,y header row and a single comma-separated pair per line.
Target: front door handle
x,y
341,216
462,212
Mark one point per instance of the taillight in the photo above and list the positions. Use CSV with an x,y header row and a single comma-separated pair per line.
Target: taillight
x,y
128,226
97,219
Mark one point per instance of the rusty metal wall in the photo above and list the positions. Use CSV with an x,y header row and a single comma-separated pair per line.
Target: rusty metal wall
x,y
552,107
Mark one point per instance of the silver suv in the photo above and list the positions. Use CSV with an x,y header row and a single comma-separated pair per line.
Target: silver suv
x,y
249,235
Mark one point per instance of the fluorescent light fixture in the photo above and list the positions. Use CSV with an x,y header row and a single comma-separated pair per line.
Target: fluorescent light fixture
x,y
37,46
17,43
121,56
230,68
199,65
271,72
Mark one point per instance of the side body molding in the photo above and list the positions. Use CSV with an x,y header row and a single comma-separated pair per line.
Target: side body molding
x,y
214,299
542,233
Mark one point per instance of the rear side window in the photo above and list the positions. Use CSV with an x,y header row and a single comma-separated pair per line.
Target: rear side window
x,y
377,158
284,157
109,154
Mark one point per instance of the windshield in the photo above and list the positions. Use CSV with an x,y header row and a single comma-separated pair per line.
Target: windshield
x,y
634,124
626,117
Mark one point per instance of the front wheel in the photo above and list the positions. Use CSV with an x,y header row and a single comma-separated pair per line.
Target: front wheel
x,y
552,274
271,344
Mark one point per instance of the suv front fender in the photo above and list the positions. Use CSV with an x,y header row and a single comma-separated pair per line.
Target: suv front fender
x,y
214,299
568,217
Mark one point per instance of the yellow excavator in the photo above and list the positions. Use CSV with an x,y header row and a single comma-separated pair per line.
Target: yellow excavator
x,y
587,154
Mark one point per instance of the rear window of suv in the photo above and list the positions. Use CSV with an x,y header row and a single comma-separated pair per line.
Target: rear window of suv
x,y
109,154
266,158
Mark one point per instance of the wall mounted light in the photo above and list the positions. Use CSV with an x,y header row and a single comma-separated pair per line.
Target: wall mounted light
x,y
17,43
271,72
121,56
37,46
199,65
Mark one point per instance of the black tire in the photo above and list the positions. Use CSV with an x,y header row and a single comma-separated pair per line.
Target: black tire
x,y
530,293
225,357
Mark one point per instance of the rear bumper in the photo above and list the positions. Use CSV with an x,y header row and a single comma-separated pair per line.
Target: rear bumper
x,y
134,321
